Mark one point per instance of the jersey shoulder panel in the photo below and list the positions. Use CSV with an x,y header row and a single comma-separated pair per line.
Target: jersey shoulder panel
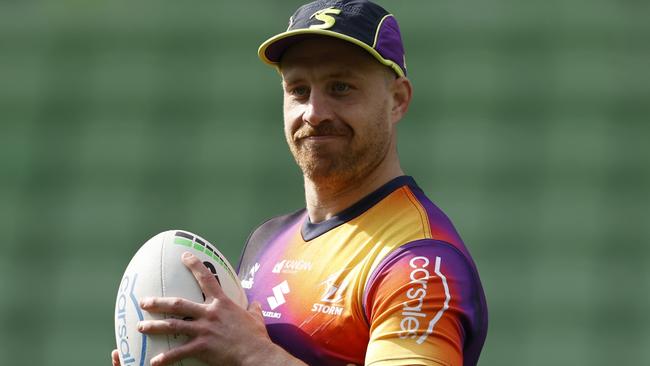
x,y
425,304
262,234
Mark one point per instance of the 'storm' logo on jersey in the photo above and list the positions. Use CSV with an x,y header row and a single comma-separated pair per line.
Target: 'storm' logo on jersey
x,y
332,296
325,16
333,291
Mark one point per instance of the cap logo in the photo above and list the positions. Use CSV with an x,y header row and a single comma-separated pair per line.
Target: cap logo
x,y
324,15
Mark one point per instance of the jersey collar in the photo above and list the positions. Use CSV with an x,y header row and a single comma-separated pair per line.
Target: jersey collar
x,y
311,231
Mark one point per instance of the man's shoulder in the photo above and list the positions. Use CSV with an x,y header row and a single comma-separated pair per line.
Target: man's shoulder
x,y
271,226
264,232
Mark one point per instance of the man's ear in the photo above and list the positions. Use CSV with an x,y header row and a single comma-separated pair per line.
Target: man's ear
x,y
402,93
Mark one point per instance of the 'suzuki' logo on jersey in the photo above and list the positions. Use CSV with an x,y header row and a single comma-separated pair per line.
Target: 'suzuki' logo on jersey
x,y
412,309
278,295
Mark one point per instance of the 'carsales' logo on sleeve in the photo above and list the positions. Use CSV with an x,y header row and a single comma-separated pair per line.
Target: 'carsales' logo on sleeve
x,y
412,309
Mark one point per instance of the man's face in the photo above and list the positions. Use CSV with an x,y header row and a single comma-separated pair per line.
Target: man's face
x,y
337,103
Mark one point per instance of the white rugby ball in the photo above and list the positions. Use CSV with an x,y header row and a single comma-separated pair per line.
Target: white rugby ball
x,y
156,270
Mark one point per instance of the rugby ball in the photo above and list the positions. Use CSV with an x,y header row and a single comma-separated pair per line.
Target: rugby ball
x,y
156,270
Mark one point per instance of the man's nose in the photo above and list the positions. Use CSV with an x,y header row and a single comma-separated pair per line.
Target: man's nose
x,y
318,109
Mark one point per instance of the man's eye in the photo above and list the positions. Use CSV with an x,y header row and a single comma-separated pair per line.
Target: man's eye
x,y
340,88
300,91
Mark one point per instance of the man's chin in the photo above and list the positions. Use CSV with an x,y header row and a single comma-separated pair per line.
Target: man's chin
x,y
327,174
324,165
317,173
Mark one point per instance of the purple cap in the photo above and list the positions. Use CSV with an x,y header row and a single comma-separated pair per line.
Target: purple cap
x,y
361,22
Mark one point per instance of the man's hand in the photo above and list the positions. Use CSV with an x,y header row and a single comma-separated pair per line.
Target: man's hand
x,y
220,332
115,358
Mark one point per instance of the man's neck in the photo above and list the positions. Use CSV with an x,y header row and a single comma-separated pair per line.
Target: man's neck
x,y
327,200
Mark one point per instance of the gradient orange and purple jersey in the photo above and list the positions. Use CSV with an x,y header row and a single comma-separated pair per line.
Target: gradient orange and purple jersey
x,y
386,282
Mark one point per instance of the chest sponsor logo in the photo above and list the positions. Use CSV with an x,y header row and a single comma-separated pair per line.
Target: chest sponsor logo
x,y
418,288
291,266
330,302
277,299
249,280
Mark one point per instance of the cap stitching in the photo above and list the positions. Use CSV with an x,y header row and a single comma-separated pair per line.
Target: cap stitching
x,y
374,43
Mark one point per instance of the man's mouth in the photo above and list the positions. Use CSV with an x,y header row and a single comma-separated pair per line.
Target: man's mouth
x,y
319,137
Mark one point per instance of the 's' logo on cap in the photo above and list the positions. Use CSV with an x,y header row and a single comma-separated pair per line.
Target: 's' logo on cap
x,y
324,15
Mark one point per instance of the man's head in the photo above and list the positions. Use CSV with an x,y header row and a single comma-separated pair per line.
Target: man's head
x,y
341,103
360,22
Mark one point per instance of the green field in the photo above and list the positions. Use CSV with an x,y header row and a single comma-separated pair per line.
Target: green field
x,y
530,127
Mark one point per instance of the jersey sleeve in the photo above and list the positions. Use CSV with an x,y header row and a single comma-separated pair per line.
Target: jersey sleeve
x,y
420,303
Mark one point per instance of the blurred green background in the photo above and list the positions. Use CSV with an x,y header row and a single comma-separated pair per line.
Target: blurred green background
x,y
530,127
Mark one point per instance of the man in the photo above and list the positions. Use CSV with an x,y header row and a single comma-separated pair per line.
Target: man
x,y
371,272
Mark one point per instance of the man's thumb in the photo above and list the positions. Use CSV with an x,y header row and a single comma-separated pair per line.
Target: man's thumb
x,y
255,308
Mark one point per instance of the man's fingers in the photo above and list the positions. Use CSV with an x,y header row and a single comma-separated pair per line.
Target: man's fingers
x,y
204,277
115,357
168,326
172,305
176,354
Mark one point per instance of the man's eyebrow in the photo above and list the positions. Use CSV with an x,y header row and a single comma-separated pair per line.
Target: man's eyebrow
x,y
338,74
293,76
347,74
291,80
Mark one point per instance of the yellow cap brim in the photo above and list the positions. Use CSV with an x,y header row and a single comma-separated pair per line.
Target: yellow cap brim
x,y
275,41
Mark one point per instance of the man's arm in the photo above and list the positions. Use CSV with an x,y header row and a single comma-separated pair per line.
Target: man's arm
x,y
425,307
